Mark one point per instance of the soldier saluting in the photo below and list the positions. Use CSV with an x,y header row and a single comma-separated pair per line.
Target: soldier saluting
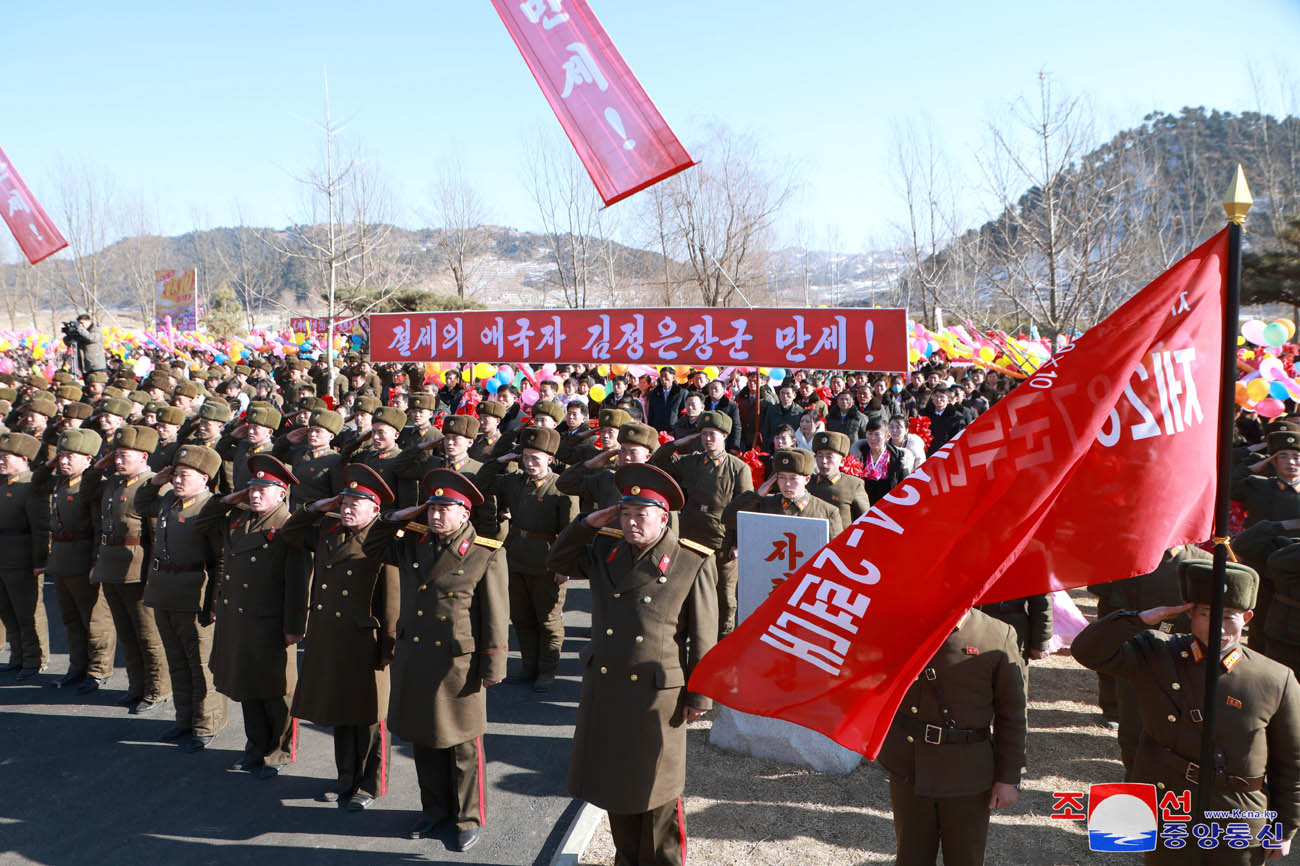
x,y
654,614
353,627
452,637
1257,732
261,612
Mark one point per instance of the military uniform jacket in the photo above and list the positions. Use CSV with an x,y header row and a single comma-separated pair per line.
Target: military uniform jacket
x,y
653,617
162,455
775,503
594,488
351,626
1257,726
385,463
319,474
260,598
981,676
538,513
235,454
73,533
123,544
24,524
1031,617
1265,497
183,558
710,484
845,492
1283,618
452,631
484,449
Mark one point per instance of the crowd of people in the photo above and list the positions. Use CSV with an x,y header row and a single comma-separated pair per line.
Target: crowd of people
x,y
352,550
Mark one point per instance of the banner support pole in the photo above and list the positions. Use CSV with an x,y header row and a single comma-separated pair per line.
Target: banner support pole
x,y
1236,203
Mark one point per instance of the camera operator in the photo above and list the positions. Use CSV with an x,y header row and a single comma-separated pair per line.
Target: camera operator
x,y
89,343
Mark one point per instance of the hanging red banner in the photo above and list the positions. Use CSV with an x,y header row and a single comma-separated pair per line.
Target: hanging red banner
x,y
619,135
1087,472
30,224
841,339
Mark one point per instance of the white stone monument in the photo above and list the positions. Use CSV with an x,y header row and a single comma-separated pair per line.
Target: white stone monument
x,y
771,548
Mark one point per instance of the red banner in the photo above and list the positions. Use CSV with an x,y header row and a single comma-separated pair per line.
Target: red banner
x,y
841,339
619,135
30,224
1085,473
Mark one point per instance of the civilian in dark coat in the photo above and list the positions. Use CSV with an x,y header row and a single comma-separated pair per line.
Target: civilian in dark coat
x,y
664,402
716,400
845,418
945,420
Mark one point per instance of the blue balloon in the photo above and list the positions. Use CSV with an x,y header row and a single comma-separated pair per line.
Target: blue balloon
x,y
220,358
776,375
1278,390
492,385
503,378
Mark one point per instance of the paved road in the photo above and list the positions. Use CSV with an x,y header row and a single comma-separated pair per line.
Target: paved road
x,y
86,783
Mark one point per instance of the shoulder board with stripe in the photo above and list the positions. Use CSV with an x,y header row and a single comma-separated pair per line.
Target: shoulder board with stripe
x,y
611,532
695,546
490,543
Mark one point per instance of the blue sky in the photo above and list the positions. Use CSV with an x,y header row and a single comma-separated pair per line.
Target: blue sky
x,y
206,110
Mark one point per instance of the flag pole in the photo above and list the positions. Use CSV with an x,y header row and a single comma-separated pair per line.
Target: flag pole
x,y
1236,202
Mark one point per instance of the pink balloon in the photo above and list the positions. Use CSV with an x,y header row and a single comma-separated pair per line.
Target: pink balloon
x,y
1269,407
1253,331
528,396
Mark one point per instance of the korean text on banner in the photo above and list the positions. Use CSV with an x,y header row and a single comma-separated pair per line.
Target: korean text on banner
x,y
619,135
771,549
176,297
30,224
1087,472
853,339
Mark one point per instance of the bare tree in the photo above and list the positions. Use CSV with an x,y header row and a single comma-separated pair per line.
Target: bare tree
x,y
717,218
140,254
350,249
85,198
458,212
1060,248
570,212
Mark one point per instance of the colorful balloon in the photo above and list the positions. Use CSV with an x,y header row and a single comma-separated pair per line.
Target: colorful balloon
x,y
1275,334
1269,407
1257,389
597,392
1253,330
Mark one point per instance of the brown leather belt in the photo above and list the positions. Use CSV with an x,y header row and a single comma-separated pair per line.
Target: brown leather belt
x,y
533,536
709,509
172,568
938,735
123,542
1191,772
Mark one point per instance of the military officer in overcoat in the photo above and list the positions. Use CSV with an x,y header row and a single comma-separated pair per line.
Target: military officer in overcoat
x,y
261,612
182,572
592,480
254,436
1257,730
353,630
538,512
120,568
654,614
452,639
845,492
710,479
946,769
24,524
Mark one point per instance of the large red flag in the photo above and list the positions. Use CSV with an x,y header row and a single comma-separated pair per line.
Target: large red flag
x,y
619,135
1086,472
31,226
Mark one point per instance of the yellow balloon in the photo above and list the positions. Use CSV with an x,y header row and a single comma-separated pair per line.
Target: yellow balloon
x,y
603,370
483,370
711,372
597,392
1257,389
986,353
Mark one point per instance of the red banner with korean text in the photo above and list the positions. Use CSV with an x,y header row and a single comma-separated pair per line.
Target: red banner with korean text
x,y
30,224
1087,472
842,339
619,135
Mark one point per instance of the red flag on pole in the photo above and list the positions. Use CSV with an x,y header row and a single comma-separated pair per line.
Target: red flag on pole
x,y
1086,472
31,226
619,135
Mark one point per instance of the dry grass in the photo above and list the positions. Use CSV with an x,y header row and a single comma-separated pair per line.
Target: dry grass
x,y
742,810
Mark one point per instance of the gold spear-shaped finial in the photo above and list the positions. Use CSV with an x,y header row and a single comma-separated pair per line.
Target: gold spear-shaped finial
x,y
1237,200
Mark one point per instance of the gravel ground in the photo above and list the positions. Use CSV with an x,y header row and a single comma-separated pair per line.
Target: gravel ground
x,y
742,810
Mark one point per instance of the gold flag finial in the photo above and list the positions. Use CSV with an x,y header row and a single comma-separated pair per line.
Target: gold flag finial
x,y
1237,200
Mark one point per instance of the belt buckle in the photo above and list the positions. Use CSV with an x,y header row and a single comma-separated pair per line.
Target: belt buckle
x,y
1196,715
937,733
1193,773
156,565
